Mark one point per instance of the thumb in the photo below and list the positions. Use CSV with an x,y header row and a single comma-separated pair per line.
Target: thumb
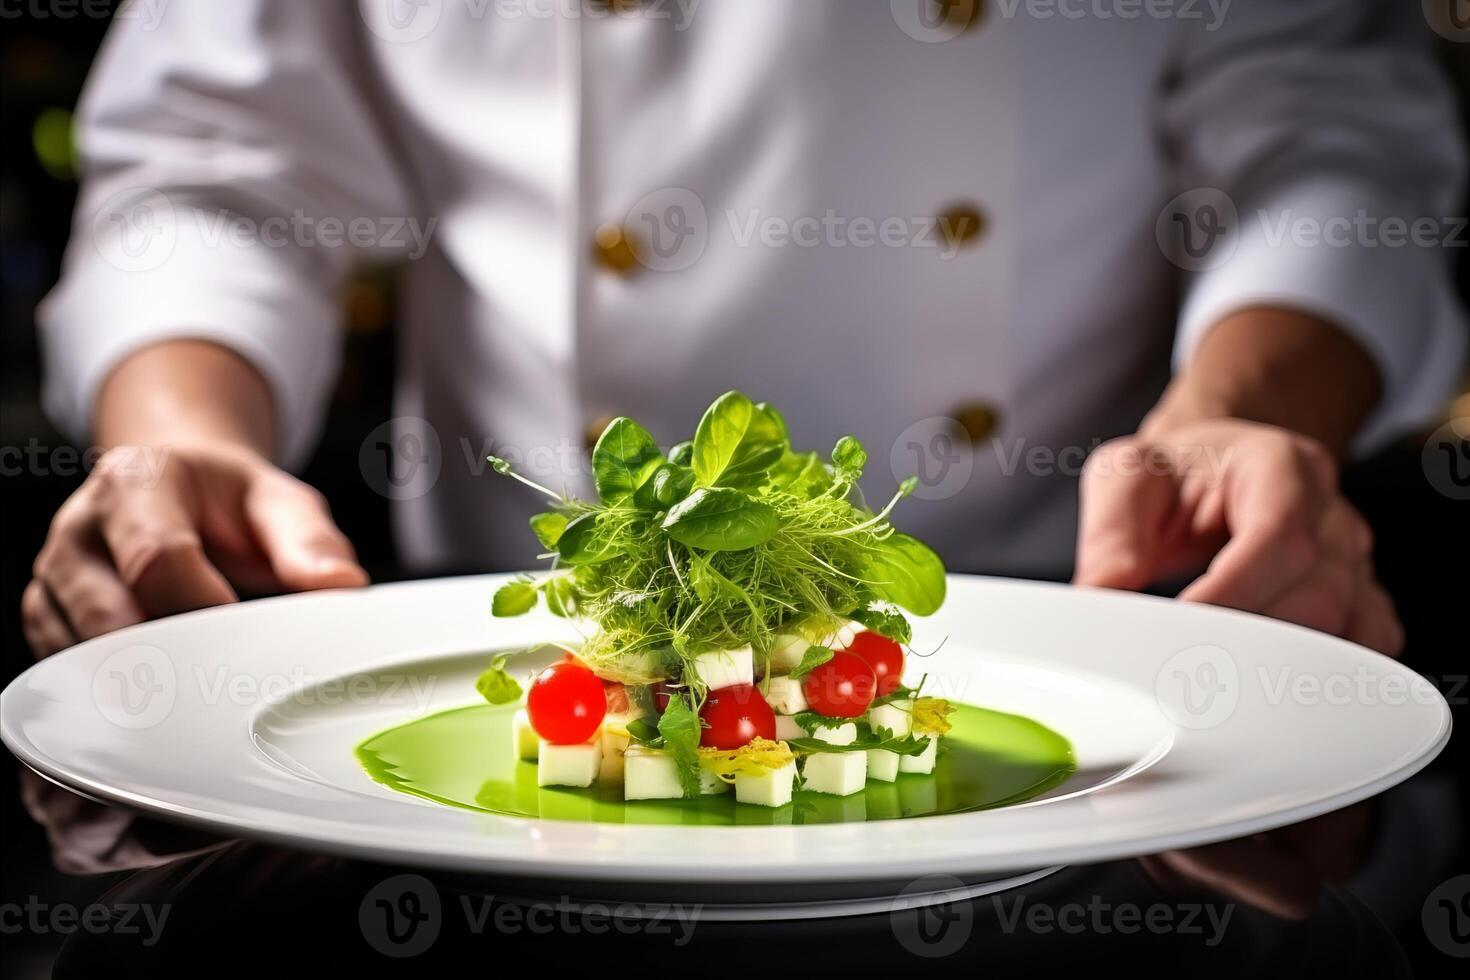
x,y
305,548
1125,504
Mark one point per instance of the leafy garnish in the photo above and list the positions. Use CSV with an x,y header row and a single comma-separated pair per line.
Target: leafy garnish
x,y
885,621
814,657
679,729
756,758
931,716
495,685
513,599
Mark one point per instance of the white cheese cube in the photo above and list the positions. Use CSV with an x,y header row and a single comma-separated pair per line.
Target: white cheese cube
x,y
770,788
710,784
842,639
883,765
838,735
649,774
614,739
523,736
784,696
837,773
896,716
725,668
787,729
923,762
568,765
787,652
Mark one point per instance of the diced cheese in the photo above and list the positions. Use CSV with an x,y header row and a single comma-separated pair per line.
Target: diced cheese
x,y
923,762
784,696
770,788
523,736
787,728
787,653
837,773
649,774
614,739
838,735
883,765
725,668
568,765
843,638
710,784
896,716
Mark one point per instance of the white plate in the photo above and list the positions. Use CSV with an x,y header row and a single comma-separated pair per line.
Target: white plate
x,y
1191,724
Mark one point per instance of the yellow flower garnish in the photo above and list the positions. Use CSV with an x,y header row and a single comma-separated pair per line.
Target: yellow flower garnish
x,y
754,759
931,716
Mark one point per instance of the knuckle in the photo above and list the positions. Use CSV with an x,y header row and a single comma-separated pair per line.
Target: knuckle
x,y
33,603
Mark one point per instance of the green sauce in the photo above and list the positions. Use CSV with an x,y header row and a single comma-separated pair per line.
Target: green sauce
x,y
464,758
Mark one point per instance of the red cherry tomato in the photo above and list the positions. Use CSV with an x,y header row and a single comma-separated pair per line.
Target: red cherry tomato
x,y
734,715
566,703
617,697
884,656
659,690
843,687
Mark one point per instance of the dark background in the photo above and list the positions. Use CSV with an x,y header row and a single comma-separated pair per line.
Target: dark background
x,y
1424,537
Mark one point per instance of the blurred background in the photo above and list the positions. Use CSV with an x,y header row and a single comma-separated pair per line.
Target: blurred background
x,y
1423,534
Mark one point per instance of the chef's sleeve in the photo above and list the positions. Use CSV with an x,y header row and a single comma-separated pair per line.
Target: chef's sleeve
x,y
234,171
1327,127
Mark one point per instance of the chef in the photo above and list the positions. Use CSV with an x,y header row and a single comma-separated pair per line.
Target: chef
x,y
1196,245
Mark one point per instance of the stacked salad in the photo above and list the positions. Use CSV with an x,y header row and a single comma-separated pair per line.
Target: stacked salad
x,y
746,620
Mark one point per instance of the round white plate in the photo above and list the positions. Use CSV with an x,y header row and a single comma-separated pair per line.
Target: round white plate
x,y
1191,724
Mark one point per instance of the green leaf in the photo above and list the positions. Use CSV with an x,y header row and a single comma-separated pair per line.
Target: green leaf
x,y
585,542
679,727
644,732
513,599
737,442
814,657
495,685
885,622
548,527
668,485
625,456
682,453
720,519
848,458
906,572
561,597
800,474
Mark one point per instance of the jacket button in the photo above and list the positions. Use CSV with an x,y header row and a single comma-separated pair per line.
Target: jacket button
x,y
978,419
594,430
962,225
962,14
613,249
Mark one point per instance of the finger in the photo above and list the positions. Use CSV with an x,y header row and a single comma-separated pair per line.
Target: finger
x,y
1322,601
45,630
305,548
1374,622
158,553
1127,502
1272,512
79,578
1252,871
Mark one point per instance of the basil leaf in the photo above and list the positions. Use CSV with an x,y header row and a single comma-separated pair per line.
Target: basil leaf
x,y
848,458
584,542
625,456
679,727
495,685
548,527
668,485
907,573
720,519
645,733
682,453
737,442
814,657
513,599
885,622
800,474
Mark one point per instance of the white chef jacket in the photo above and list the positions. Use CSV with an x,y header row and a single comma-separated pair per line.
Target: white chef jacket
x,y
768,141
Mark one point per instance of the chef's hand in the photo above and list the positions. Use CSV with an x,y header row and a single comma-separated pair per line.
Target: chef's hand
x,y
184,521
1254,504
1257,507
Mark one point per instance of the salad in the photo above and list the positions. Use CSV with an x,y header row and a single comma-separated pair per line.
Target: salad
x,y
746,617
